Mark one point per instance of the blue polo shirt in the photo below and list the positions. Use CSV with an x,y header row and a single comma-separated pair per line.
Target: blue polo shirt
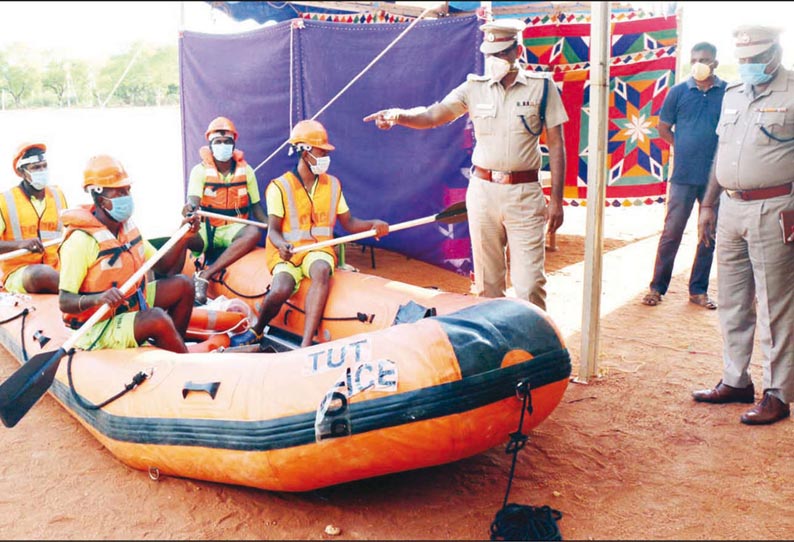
x,y
693,115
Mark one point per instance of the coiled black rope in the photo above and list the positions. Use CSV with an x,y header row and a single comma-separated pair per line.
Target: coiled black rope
x,y
518,521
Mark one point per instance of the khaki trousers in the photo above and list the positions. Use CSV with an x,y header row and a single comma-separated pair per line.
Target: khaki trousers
x,y
502,215
755,280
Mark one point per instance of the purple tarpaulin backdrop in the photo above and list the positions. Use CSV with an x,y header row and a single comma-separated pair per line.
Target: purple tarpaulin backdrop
x,y
396,175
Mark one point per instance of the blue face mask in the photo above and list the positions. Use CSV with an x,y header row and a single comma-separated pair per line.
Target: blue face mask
x,y
753,74
39,179
122,208
222,151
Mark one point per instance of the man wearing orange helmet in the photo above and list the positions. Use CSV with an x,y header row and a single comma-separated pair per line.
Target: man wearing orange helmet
x,y
222,183
102,248
29,218
303,207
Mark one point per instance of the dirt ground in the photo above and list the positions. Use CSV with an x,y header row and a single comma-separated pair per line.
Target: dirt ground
x,y
627,456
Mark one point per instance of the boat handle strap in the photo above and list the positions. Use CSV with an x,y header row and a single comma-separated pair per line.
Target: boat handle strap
x,y
210,387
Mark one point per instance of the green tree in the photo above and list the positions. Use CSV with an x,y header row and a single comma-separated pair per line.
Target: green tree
x,y
141,76
55,78
19,81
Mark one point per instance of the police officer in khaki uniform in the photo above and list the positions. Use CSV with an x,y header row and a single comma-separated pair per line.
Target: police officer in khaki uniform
x,y
754,170
509,108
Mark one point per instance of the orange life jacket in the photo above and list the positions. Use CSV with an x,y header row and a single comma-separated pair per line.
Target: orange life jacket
x,y
225,198
305,221
118,259
23,222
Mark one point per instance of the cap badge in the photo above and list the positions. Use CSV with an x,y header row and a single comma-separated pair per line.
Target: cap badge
x,y
490,36
743,38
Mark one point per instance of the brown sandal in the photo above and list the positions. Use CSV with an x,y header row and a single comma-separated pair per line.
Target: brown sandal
x,y
652,298
703,301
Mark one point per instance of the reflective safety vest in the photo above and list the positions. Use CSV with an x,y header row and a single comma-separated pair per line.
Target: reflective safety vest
x,y
118,259
306,220
225,198
23,222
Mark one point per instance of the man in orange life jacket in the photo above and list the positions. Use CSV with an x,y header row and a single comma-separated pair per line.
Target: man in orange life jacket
x,y
102,248
303,206
223,183
28,218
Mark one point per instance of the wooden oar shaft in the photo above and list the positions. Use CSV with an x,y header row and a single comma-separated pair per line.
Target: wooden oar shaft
x,y
126,287
22,251
365,234
239,220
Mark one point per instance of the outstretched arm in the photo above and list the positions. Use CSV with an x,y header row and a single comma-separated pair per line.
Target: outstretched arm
x,y
356,225
418,118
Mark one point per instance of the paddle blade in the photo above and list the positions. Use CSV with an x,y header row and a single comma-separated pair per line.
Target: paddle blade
x,y
453,214
26,386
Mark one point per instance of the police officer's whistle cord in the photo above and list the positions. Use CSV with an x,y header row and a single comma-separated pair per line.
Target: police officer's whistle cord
x,y
517,521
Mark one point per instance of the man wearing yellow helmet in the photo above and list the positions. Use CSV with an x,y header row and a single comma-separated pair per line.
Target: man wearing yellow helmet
x,y
102,248
303,205
28,219
222,183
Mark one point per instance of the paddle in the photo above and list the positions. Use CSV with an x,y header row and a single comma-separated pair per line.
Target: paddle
x,y
239,220
23,388
451,215
22,251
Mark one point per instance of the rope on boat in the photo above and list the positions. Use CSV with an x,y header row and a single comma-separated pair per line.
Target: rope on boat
x,y
349,84
360,316
518,521
137,380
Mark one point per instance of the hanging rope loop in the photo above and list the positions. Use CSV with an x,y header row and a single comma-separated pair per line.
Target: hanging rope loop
x,y
518,521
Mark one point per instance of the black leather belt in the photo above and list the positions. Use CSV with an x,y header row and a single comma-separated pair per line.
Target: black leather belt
x,y
760,193
507,177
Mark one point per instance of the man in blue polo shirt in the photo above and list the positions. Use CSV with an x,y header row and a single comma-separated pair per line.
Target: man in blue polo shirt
x,y
693,108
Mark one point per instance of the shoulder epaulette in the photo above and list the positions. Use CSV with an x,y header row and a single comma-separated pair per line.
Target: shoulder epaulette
x,y
475,77
536,75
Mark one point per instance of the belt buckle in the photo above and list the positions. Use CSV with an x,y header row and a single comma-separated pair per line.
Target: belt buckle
x,y
500,177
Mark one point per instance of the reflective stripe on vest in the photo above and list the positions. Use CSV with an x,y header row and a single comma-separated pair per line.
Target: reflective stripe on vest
x,y
226,198
22,221
306,220
117,260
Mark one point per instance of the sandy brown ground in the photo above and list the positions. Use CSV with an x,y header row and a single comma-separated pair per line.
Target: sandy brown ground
x,y
627,456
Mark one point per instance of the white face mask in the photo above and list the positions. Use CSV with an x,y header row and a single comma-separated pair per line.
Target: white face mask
x,y
322,165
222,151
496,68
39,179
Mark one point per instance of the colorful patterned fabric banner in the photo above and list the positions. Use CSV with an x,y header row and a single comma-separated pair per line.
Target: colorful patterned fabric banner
x,y
379,16
643,60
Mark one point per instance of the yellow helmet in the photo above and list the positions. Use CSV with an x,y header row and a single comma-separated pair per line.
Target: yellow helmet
x,y
311,133
104,171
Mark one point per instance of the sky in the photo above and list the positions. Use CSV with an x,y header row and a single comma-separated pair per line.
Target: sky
x,y
93,30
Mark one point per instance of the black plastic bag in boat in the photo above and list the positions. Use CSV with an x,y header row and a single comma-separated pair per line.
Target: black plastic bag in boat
x,y
412,312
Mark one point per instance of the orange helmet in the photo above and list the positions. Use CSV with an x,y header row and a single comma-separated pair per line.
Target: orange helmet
x,y
311,133
221,124
21,150
104,171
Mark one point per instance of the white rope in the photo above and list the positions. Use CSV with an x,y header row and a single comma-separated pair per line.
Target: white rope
x,y
291,76
356,78
123,75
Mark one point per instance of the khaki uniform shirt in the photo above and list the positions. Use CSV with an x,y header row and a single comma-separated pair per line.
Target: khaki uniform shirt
x,y
747,158
503,143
